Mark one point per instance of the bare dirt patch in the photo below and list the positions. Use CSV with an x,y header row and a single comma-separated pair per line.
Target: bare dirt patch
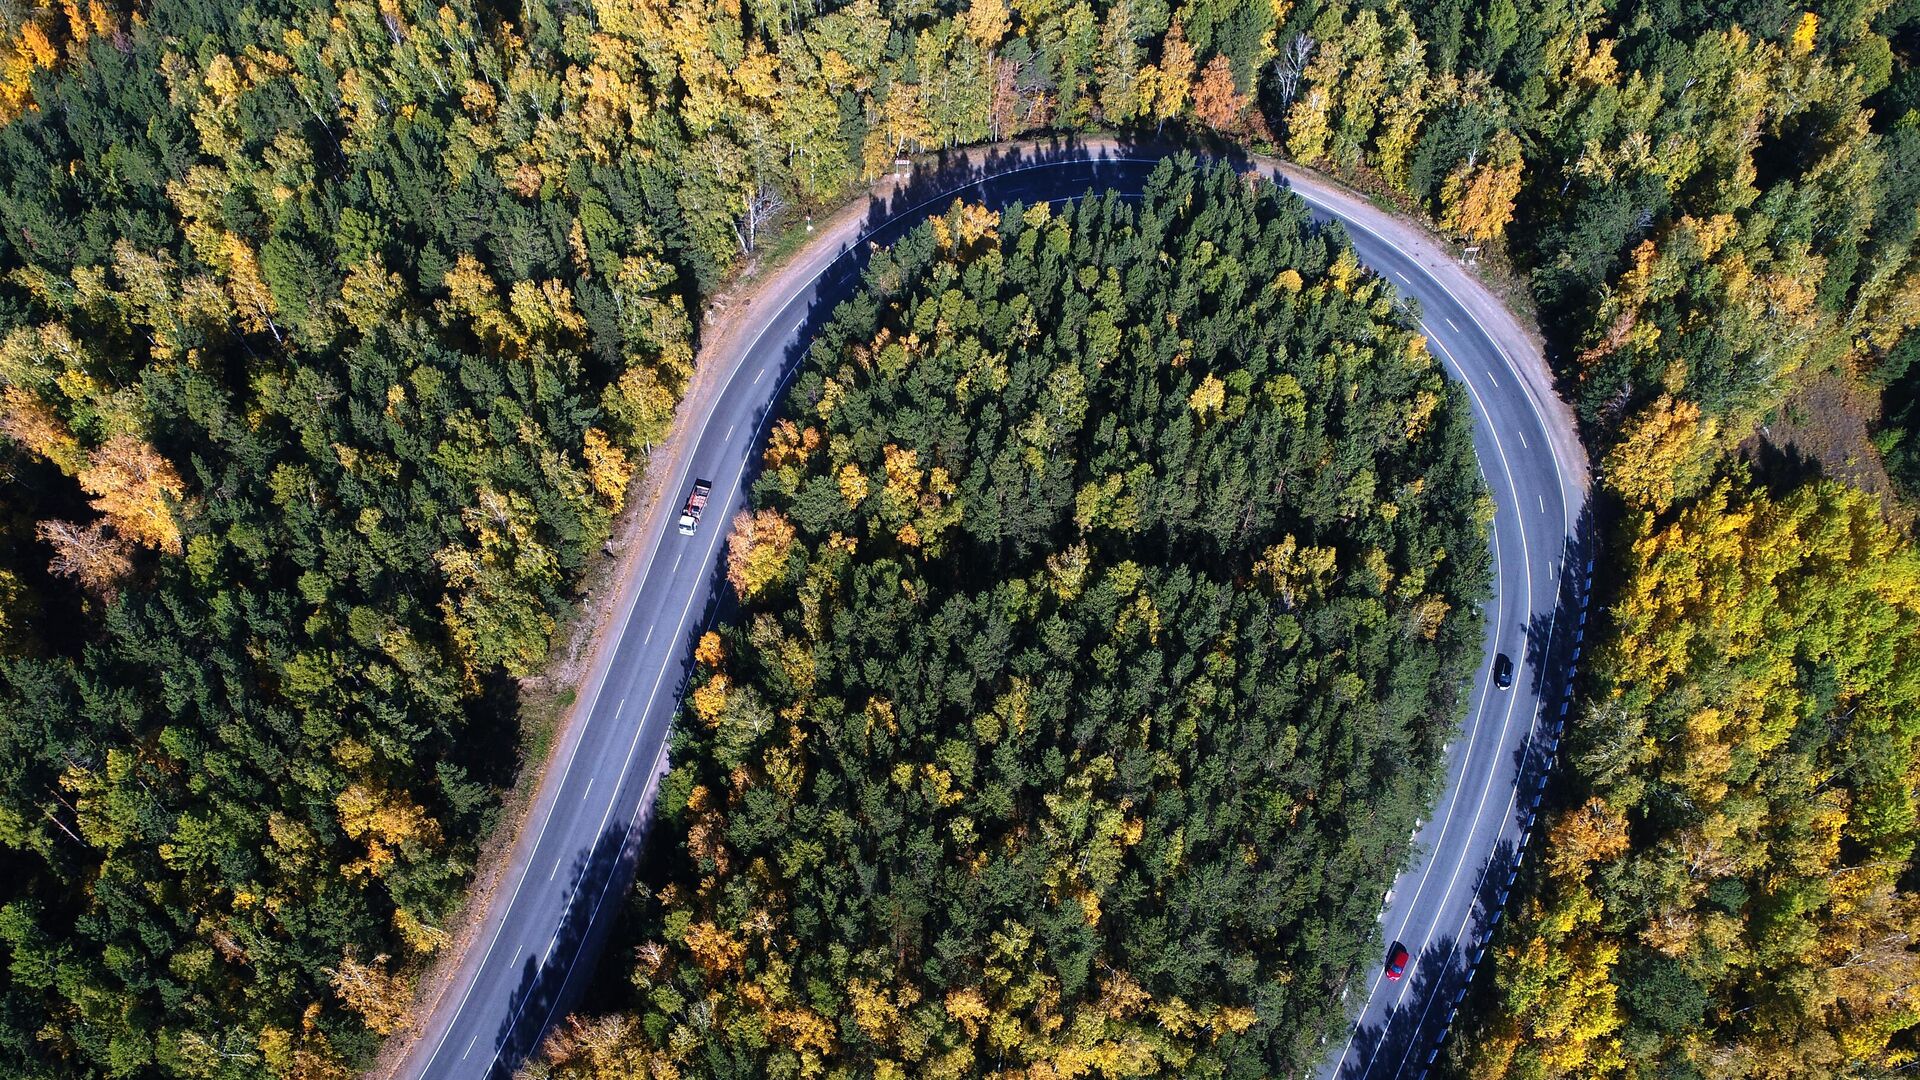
x,y
1823,428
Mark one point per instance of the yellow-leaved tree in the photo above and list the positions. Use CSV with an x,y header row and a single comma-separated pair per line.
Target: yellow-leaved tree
x,y
1751,724
757,551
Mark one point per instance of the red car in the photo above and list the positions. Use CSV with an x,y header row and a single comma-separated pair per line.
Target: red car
x,y
1397,961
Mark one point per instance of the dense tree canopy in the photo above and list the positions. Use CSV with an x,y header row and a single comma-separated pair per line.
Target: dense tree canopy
x,y
1712,202
332,331
1105,606
1709,198
318,416
1721,893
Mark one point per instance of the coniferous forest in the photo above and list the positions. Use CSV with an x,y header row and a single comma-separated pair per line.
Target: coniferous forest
x,y
333,334
1106,602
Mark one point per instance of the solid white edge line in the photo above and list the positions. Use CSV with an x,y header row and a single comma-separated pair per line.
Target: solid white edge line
x,y
1486,691
1506,720
1566,521
640,806
632,600
639,729
625,615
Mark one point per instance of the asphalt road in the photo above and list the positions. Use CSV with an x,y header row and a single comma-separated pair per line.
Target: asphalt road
x,y
539,941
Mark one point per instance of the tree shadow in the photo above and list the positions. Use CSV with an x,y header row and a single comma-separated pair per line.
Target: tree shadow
x,y
1555,644
1408,1040
999,175
1379,1049
553,982
1782,467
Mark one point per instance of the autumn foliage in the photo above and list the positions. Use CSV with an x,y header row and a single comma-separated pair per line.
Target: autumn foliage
x,y
1726,879
305,450
1073,639
757,551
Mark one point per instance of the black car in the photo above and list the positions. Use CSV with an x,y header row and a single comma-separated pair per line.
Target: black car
x,y
1502,671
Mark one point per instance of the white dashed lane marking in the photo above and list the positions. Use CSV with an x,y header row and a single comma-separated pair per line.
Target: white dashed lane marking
x,y
512,900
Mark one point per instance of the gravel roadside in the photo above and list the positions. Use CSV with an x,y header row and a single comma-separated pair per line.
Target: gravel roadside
x,y
728,327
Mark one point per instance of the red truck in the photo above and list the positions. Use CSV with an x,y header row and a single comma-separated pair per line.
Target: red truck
x,y
696,502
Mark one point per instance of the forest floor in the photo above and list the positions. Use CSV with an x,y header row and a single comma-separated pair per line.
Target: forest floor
x,y
731,321
1824,428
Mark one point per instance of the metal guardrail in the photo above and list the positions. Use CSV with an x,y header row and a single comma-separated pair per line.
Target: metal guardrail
x,y
1583,590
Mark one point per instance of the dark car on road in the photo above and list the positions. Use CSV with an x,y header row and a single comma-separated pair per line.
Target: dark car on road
x,y
1502,671
1397,961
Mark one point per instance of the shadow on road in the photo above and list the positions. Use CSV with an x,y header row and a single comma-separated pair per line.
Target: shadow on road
x,y
1378,1048
599,876
1408,1039
551,983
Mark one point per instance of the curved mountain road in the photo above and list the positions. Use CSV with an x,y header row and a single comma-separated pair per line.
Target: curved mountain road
x,y
539,938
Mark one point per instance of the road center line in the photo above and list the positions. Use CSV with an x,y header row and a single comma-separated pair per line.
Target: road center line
x,y
589,787
633,595
1523,440
1486,788
646,794
1566,524
1473,739
1513,796
470,1043
832,262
